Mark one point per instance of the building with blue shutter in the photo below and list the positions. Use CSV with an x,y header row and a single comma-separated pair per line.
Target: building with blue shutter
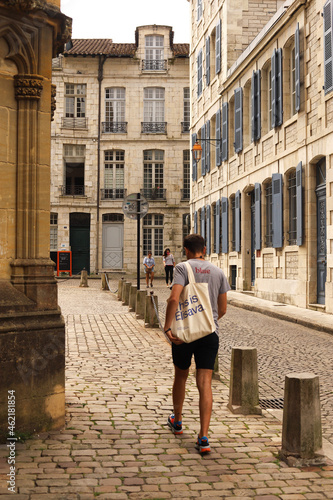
x,y
262,111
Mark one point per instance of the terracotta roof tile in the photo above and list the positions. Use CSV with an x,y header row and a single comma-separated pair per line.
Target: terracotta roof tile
x,y
95,46
181,49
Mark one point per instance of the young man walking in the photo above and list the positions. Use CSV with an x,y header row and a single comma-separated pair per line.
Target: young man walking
x,y
149,263
205,349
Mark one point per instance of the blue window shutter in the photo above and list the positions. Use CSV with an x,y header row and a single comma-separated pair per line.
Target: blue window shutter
x,y
218,138
277,91
237,222
297,70
208,147
280,86
208,227
218,47
217,227
328,46
199,71
257,215
256,105
299,205
277,211
238,119
225,137
202,223
195,223
253,106
273,84
224,225
194,163
207,60
203,145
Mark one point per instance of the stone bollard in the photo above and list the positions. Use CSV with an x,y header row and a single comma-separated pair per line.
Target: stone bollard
x,y
104,282
84,278
132,297
301,426
244,392
120,289
126,290
140,305
150,314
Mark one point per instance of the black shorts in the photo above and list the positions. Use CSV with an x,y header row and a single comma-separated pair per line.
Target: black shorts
x,y
204,350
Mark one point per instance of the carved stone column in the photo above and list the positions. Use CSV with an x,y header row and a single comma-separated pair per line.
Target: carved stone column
x,y
32,331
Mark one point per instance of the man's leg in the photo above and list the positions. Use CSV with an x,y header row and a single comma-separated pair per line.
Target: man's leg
x,y
204,384
151,277
178,392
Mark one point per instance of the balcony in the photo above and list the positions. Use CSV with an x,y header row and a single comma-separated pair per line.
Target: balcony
x,y
114,127
57,63
185,127
185,194
74,122
154,65
154,193
72,190
153,127
113,194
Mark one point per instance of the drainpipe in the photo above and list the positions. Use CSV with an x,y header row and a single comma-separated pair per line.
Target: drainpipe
x,y
101,61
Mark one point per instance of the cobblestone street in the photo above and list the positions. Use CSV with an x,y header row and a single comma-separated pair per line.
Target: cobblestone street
x,y
118,395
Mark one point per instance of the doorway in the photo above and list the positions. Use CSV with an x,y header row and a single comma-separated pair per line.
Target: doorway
x,y
321,231
80,241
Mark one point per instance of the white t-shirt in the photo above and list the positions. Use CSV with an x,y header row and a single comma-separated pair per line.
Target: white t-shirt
x,y
204,272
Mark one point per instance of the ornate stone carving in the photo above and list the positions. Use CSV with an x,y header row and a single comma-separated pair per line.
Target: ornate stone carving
x,y
28,86
29,4
53,100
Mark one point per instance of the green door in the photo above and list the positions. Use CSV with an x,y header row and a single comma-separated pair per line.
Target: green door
x,y
80,242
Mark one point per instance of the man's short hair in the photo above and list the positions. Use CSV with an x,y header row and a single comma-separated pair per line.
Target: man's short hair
x,y
195,243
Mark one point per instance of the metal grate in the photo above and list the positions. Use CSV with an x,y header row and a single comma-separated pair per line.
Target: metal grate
x,y
272,404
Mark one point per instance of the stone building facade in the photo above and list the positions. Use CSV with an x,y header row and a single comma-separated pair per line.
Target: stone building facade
x,y
262,193
121,126
32,331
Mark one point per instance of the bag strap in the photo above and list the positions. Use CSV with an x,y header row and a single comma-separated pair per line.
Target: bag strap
x,y
190,273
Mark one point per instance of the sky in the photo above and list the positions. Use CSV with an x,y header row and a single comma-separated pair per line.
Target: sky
x,y
118,19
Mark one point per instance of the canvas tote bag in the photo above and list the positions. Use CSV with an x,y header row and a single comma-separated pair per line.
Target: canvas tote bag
x,y
194,315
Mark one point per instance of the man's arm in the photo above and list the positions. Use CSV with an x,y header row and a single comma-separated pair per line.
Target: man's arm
x,y
222,305
171,311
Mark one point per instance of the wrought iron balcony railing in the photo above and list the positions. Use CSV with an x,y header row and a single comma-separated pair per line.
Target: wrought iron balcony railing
x,y
153,127
153,193
154,65
185,193
185,127
72,190
114,127
113,194
74,122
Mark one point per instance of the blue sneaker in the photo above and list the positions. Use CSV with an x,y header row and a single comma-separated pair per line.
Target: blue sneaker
x,y
176,427
202,445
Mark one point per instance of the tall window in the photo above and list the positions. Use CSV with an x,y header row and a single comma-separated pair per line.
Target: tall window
x,y
154,53
153,174
187,110
292,233
186,227
153,110
186,174
114,110
114,168
74,160
269,215
153,234
75,105
199,9
233,224
53,232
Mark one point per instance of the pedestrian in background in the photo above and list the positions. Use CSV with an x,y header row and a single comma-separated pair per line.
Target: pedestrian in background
x,y
149,264
169,264
204,349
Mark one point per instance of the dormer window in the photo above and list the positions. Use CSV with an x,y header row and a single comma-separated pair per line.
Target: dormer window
x,y
154,53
